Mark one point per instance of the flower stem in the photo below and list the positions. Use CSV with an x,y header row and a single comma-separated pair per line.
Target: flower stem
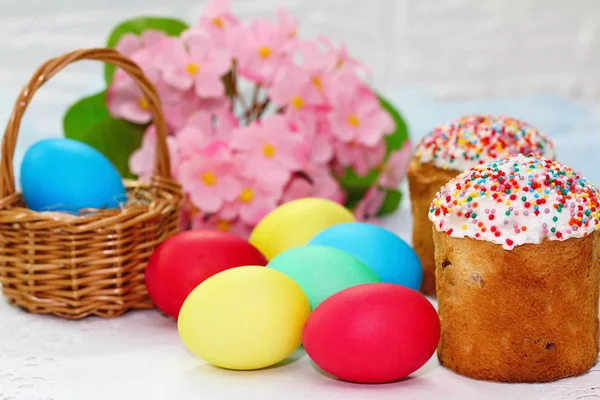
x,y
235,92
255,95
262,108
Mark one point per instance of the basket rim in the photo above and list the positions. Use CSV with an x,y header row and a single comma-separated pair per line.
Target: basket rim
x,y
166,193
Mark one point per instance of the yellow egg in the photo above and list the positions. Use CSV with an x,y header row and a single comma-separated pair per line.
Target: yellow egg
x,y
244,318
293,224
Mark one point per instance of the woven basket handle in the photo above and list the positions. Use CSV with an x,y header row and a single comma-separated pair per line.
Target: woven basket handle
x,y
48,70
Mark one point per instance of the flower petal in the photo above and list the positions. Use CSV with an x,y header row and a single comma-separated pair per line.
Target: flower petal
x,y
150,37
128,44
171,53
244,138
178,78
198,44
254,212
209,86
339,126
206,199
229,188
322,150
218,64
189,173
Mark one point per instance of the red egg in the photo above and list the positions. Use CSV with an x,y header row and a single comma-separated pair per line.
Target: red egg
x,y
372,333
188,258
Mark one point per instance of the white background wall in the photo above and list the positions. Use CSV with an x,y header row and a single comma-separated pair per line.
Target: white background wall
x,y
457,48
534,59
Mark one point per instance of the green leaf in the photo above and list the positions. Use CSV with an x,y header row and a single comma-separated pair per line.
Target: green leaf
x,y
355,184
353,199
84,114
116,139
171,26
390,202
400,135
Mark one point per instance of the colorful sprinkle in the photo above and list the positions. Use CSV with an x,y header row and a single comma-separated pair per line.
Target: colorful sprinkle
x,y
476,139
545,182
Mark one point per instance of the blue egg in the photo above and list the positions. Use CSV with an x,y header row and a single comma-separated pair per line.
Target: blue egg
x,y
66,175
383,251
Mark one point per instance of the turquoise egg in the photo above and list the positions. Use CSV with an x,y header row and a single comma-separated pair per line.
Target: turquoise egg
x,y
322,271
66,175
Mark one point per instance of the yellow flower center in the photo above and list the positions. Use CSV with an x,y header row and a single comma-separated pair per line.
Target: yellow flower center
x,y
246,195
269,150
317,82
192,68
143,103
218,22
209,178
339,63
223,225
264,51
353,120
292,34
297,102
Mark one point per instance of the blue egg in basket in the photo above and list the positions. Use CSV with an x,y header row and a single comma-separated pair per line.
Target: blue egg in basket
x,y
66,175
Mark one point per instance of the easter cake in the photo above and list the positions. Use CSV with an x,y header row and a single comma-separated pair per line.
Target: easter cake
x,y
452,148
517,254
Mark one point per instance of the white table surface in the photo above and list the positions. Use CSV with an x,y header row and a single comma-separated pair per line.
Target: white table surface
x,y
140,356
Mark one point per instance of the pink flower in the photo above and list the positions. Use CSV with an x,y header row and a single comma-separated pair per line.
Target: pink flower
x,y
220,118
141,161
287,25
325,185
343,59
209,178
256,199
195,136
217,222
358,156
193,61
217,20
358,116
125,99
300,186
178,112
130,43
322,149
393,171
318,64
270,150
314,182
204,126
293,89
224,122
260,50
310,126
368,207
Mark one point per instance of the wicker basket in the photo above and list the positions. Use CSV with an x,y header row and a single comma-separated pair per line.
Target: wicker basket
x,y
75,266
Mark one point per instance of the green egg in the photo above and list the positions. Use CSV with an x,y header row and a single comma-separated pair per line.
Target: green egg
x,y
322,271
